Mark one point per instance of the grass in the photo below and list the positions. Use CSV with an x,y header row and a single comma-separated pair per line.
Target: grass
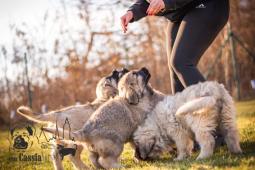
x,y
220,160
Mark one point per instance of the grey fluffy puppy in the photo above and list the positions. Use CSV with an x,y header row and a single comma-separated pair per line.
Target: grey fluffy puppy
x,y
113,123
196,113
76,115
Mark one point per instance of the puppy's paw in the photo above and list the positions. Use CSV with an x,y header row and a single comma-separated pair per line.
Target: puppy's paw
x,y
181,157
200,157
178,159
237,152
118,166
136,160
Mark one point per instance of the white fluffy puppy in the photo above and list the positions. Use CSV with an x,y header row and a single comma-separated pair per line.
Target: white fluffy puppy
x,y
195,113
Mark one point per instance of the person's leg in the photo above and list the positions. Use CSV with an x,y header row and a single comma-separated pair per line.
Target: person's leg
x,y
171,32
197,31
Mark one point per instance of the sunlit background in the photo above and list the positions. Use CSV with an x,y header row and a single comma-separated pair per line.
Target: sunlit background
x,y
70,44
53,52
51,27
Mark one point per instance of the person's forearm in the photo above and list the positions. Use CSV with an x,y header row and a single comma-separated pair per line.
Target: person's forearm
x,y
139,9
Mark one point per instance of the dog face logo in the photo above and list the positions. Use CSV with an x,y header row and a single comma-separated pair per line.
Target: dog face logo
x,y
20,139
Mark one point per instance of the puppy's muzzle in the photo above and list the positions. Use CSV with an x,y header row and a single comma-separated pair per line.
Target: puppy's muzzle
x,y
138,155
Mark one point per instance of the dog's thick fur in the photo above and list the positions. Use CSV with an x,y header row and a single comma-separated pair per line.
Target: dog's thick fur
x,y
113,123
195,113
76,115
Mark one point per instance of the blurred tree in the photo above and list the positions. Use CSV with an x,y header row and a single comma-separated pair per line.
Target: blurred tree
x,y
72,48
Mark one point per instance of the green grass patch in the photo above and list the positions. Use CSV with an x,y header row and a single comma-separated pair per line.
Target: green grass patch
x,y
221,159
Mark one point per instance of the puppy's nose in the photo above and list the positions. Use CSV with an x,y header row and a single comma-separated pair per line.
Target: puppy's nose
x,y
139,156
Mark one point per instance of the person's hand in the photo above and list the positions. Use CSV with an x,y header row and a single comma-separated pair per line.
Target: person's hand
x,y
155,6
125,19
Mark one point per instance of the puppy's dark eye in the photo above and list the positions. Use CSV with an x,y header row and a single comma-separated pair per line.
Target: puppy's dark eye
x,y
132,84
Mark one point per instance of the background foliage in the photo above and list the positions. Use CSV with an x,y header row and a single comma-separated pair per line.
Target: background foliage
x,y
73,45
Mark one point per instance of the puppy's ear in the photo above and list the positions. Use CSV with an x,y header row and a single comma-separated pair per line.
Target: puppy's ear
x,y
30,130
122,72
132,97
12,131
115,75
144,72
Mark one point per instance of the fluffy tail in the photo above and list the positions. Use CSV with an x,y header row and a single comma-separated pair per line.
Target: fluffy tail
x,y
228,125
65,134
196,106
30,115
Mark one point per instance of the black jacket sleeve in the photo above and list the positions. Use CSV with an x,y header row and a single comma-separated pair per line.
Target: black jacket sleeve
x,y
139,9
175,4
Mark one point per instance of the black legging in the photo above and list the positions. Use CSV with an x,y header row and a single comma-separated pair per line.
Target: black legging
x,y
189,39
